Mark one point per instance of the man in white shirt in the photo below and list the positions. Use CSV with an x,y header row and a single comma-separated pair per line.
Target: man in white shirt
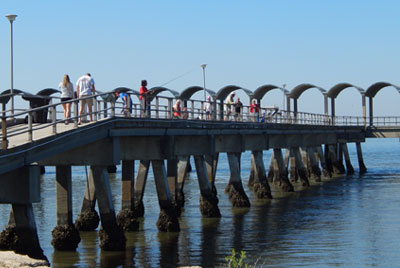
x,y
85,88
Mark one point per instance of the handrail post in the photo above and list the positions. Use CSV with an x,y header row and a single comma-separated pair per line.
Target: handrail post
x,y
157,107
30,138
4,141
112,109
95,108
192,110
53,118
169,108
105,109
76,113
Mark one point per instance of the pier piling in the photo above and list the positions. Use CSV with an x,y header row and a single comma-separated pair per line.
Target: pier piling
x,y
126,218
167,220
88,219
281,182
349,166
208,200
112,237
361,164
140,185
65,235
260,185
234,188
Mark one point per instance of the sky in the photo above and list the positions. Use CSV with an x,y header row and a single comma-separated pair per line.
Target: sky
x,y
245,43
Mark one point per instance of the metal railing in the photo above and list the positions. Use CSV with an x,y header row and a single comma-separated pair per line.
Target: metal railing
x,y
160,107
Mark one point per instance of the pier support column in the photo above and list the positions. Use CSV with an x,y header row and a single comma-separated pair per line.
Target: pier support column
x,y
126,218
65,235
325,172
140,185
349,166
172,173
331,160
301,170
211,165
88,219
260,185
281,182
315,172
111,235
273,170
25,228
234,188
168,220
183,162
208,200
340,158
361,165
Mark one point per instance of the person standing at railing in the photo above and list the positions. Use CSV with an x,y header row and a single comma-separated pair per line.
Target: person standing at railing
x,y
85,88
144,99
67,93
254,110
229,102
208,108
177,109
238,109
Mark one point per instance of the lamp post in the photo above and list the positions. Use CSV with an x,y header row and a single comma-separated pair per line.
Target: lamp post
x,y
11,18
204,79
283,101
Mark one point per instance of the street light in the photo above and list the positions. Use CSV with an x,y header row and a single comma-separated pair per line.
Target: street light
x,y
204,79
283,101
11,18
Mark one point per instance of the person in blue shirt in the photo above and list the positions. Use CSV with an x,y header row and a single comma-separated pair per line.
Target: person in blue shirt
x,y
127,102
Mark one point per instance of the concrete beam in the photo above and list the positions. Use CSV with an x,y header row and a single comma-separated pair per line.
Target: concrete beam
x,y
103,152
21,186
229,143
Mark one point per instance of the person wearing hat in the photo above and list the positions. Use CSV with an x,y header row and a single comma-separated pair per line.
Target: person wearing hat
x,y
229,103
127,102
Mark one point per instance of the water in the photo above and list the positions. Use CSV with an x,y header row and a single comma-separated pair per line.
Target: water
x,y
347,222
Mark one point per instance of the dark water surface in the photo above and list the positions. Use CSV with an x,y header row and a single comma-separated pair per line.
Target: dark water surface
x,y
346,222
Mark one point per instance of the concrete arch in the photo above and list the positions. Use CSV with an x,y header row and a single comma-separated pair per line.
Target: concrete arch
x,y
225,91
375,88
5,99
264,89
296,92
190,91
158,90
371,93
337,89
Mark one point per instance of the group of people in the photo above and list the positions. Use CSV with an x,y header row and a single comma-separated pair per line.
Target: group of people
x,y
236,107
84,89
143,97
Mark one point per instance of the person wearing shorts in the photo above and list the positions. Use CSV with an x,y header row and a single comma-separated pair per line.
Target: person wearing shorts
x,y
67,93
85,88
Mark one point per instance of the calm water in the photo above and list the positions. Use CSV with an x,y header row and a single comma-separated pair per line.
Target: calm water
x,y
347,222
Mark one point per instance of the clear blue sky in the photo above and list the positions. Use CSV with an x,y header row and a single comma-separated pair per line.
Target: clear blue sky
x,y
245,43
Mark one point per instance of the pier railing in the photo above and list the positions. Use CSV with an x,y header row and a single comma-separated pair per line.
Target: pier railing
x,y
106,105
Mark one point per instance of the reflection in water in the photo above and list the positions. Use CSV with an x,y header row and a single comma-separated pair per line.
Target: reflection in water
x,y
169,256
347,222
209,242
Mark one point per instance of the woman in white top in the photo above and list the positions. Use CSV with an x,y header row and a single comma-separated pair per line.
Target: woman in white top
x,y
67,93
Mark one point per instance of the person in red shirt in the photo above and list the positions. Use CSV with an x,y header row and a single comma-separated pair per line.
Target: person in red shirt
x,y
144,99
254,110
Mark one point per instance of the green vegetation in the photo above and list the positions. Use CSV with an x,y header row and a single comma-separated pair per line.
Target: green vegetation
x,y
236,260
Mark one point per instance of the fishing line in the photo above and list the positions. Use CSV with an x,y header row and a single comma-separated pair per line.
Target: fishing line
x,y
180,76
